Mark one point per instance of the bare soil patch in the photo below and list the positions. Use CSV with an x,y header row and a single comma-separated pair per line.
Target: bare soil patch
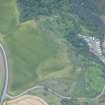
x,y
26,100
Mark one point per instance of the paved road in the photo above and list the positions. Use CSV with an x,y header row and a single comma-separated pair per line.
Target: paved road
x,y
5,82
39,87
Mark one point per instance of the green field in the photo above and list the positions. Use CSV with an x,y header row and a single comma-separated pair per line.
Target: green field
x,y
39,53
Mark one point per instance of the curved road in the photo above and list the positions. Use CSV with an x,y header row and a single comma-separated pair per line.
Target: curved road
x,y
38,87
5,82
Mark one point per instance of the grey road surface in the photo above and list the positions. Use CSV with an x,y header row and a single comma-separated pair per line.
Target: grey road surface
x,y
5,79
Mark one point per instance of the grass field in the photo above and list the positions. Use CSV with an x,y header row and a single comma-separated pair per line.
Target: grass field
x,y
8,17
29,48
38,52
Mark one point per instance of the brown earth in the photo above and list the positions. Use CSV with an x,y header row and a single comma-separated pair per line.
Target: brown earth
x,y
26,100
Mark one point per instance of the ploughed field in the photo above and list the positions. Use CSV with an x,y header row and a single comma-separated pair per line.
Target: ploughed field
x,y
26,100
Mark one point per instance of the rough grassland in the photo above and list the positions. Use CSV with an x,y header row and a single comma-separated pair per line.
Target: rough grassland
x,y
39,54
8,16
